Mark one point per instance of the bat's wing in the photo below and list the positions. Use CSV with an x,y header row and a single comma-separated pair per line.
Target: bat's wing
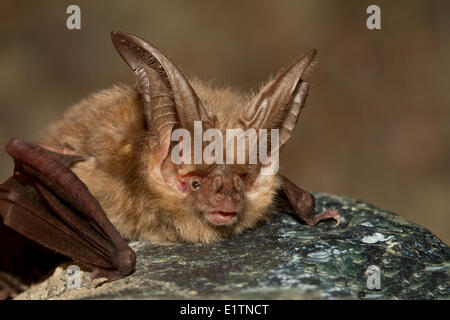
x,y
301,203
47,203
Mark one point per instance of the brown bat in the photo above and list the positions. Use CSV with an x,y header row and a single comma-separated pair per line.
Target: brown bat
x,y
105,173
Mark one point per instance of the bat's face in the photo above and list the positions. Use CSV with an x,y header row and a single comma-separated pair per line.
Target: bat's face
x,y
217,193
211,189
231,190
226,197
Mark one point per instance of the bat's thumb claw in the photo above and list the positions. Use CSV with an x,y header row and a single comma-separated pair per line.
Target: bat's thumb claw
x,y
329,214
97,274
338,219
111,275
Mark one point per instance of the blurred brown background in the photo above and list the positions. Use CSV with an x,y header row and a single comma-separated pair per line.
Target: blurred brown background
x,y
377,122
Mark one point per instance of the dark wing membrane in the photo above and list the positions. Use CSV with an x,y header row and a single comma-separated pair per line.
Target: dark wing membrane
x,y
22,262
47,203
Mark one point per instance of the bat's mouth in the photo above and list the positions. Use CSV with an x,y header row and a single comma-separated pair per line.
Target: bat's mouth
x,y
221,218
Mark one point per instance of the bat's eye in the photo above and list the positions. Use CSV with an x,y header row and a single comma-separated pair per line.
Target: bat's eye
x,y
195,185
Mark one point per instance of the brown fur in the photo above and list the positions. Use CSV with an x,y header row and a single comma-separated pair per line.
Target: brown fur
x,y
109,127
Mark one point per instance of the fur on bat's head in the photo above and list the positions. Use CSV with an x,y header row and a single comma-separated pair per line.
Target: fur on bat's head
x,y
227,198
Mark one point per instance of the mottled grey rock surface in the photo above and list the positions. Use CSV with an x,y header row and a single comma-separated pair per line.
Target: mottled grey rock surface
x,y
284,259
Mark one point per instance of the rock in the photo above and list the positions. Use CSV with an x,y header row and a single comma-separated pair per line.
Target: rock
x,y
284,259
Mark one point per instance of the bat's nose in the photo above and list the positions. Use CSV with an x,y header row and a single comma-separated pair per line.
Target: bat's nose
x,y
226,203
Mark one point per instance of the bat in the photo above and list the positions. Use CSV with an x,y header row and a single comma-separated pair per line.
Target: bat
x,y
105,173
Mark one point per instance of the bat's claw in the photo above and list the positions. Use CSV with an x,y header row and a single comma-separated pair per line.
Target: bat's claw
x,y
97,274
329,214
110,275
339,220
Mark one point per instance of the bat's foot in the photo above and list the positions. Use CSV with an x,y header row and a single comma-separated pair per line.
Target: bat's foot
x,y
127,259
100,273
327,214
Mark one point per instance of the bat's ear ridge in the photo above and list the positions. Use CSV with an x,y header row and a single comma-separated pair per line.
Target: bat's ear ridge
x,y
279,103
167,96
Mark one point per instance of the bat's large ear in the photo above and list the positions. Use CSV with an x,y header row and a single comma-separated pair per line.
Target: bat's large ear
x,y
279,103
167,97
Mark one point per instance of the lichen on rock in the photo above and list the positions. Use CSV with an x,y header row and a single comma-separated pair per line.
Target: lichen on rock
x,y
284,259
